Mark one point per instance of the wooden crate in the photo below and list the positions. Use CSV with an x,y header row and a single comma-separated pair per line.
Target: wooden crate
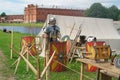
x,y
102,52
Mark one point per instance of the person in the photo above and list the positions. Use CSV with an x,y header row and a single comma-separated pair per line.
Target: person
x,y
52,32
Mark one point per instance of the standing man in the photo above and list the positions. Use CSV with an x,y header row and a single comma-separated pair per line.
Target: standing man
x,y
51,34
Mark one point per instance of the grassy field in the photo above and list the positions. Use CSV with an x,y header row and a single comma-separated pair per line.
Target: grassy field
x,y
22,24
22,74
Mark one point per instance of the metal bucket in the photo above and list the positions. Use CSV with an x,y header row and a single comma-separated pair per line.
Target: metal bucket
x,y
29,42
59,60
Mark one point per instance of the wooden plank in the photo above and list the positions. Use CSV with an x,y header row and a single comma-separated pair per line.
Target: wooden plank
x,y
103,65
82,48
109,73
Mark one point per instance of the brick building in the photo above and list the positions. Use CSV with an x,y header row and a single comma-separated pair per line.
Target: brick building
x,y
15,18
12,18
33,13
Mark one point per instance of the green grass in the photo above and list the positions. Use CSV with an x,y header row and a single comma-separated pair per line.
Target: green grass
x,y
22,74
23,24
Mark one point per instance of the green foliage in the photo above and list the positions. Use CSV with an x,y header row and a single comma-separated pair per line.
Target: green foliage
x,y
119,17
99,11
113,13
3,14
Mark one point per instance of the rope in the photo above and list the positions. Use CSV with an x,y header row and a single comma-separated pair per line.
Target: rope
x,y
74,70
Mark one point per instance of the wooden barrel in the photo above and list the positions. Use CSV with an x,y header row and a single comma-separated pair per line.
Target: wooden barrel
x,y
27,42
59,57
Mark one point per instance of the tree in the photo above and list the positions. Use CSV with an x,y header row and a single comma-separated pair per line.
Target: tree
x,y
97,10
3,14
113,12
119,17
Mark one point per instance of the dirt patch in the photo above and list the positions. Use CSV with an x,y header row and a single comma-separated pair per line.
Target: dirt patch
x,y
5,73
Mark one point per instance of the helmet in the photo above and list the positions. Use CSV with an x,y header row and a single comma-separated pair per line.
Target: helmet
x,y
91,38
52,19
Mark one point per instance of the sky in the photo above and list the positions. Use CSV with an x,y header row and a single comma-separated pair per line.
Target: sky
x,y
12,7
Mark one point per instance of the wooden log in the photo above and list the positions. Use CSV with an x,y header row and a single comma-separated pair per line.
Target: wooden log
x,y
47,65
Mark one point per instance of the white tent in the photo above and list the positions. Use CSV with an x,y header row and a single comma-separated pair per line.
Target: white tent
x,y
103,29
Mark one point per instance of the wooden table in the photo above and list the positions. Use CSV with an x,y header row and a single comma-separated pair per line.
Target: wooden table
x,y
107,70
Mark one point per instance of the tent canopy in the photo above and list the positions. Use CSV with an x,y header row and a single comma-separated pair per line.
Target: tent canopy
x,y
101,28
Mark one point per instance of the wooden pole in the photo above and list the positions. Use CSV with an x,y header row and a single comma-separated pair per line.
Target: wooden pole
x,y
47,65
98,74
29,64
82,71
38,68
27,57
18,61
11,55
47,60
19,56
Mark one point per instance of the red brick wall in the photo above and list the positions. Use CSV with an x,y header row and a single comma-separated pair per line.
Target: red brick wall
x,y
12,18
30,13
33,13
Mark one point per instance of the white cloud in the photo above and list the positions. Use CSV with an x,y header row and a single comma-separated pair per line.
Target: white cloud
x,y
11,7
17,6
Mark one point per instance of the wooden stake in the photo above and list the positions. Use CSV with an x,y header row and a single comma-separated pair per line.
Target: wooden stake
x,y
11,56
27,57
47,65
22,53
82,71
18,61
38,68
48,69
29,64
